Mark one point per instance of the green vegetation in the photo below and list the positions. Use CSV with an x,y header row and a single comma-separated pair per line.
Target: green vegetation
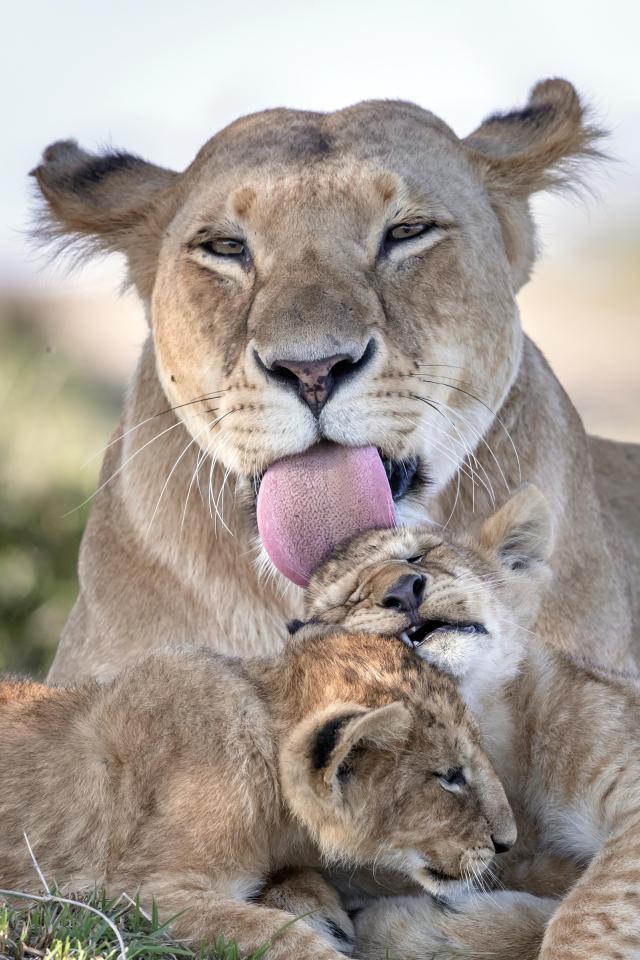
x,y
51,419
55,930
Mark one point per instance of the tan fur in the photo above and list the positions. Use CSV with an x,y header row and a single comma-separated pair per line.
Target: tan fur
x,y
564,736
197,780
453,380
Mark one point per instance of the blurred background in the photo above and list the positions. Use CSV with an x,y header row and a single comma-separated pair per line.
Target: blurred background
x,y
158,78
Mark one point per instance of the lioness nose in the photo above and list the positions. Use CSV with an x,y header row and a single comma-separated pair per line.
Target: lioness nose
x,y
405,594
316,380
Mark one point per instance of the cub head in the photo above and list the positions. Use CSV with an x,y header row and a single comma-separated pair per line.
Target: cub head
x,y
462,603
405,787
348,277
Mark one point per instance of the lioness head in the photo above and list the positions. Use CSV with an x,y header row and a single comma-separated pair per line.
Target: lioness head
x,y
348,277
405,787
463,603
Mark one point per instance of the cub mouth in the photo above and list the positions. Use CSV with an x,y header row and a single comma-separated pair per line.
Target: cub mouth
x,y
440,875
416,634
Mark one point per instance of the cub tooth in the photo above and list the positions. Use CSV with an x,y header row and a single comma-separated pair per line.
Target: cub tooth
x,y
404,636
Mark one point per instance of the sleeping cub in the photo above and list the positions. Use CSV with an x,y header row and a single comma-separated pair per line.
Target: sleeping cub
x,y
194,778
563,736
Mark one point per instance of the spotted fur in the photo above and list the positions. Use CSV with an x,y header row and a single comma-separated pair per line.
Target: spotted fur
x,y
218,789
563,733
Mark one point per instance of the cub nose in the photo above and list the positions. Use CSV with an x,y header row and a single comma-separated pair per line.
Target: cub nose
x,y
315,380
500,847
405,594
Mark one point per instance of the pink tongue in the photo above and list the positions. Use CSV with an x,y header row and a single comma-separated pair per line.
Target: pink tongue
x,y
309,503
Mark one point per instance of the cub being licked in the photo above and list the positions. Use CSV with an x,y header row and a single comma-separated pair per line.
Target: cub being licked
x,y
199,781
563,735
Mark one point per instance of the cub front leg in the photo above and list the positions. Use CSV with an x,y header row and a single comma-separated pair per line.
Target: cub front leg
x,y
496,926
599,919
304,892
204,914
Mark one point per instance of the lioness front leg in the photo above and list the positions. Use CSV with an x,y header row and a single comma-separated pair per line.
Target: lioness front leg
x,y
599,919
496,926
203,914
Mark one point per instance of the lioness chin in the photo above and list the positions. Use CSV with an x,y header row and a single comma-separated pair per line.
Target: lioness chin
x,y
347,278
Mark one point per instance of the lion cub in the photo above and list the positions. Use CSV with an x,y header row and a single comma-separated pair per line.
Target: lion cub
x,y
194,778
563,736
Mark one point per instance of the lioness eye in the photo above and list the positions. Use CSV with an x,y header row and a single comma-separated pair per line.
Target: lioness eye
x,y
224,247
453,779
405,231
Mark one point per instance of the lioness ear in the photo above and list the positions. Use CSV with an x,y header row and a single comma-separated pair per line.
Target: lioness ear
x,y
520,532
532,149
109,202
528,150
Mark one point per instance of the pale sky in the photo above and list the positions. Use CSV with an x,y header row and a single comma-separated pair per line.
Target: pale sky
x,y
158,78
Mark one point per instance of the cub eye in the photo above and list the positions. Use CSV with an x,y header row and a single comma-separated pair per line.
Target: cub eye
x,y
224,247
471,628
406,231
414,559
453,779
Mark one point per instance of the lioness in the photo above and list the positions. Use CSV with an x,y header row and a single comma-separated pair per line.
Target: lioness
x,y
349,278
193,778
564,738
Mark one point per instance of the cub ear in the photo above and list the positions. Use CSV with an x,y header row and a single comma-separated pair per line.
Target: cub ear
x,y
519,534
524,151
337,741
109,202
321,754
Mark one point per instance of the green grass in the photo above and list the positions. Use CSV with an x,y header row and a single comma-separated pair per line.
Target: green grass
x,y
52,418
54,930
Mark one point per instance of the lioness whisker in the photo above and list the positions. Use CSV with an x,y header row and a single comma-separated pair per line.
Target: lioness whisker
x,y
154,416
488,486
219,504
474,430
452,366
483,440
466,461
178,423
480,437
207,427
459,466
465,466
455,501
443,377
172,471
470,457
495,416
199,461
214,461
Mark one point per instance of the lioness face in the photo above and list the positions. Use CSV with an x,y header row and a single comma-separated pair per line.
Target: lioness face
x,y
347,277
405,788
338,277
